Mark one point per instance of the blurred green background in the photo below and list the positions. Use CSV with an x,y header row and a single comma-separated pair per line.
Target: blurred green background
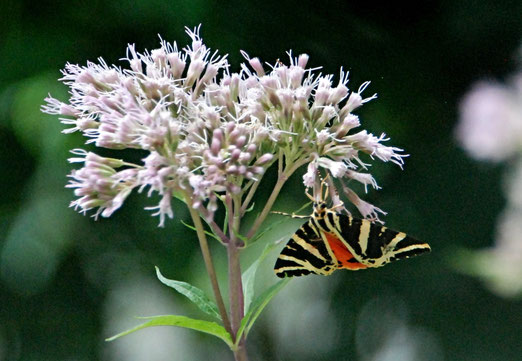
x,y
67,282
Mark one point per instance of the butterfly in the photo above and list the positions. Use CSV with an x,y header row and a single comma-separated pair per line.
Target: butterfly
x,y
330,240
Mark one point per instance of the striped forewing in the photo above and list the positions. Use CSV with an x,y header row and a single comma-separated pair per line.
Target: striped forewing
x,y
305,253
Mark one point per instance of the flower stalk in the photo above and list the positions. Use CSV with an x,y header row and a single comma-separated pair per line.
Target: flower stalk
x,y
205,251
235,287
281,179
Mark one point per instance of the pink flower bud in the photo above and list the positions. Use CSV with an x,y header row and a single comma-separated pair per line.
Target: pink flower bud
x,y
321,96
282,72
234,135
210,73
87,123
240,141
274,99
255,63
245,157
234,155
225,80
232,169
337,94
302,60
296,76
230,127
351,121
258,170
86,76
109,76
136,65
212,115
196,45
234,86
159,57
216,141
265,158
354,102
128,83
268,82
212,169
194,71
177,65
286,98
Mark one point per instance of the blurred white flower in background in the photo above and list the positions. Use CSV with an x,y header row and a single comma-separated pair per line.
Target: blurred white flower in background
x,y
490,129
297,311
490,126
383,333
135,296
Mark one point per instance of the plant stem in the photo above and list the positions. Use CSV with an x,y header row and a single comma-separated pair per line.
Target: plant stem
x,y
235,287
234,274
237,219
249,196
281,179
209,265
213,225
240,353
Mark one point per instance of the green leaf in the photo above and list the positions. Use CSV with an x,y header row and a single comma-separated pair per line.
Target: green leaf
x,y
251,208
211,328
249,276
225,221
240,236
179,195
193,293
257,307
248,279
206,232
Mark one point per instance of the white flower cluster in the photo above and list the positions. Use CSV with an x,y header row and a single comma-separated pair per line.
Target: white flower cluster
x,y
207,130
490,128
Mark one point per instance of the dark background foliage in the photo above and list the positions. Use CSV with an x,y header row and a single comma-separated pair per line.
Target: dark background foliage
x,y
60,271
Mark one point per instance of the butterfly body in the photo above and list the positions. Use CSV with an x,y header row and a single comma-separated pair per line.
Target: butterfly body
x,y
329,241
